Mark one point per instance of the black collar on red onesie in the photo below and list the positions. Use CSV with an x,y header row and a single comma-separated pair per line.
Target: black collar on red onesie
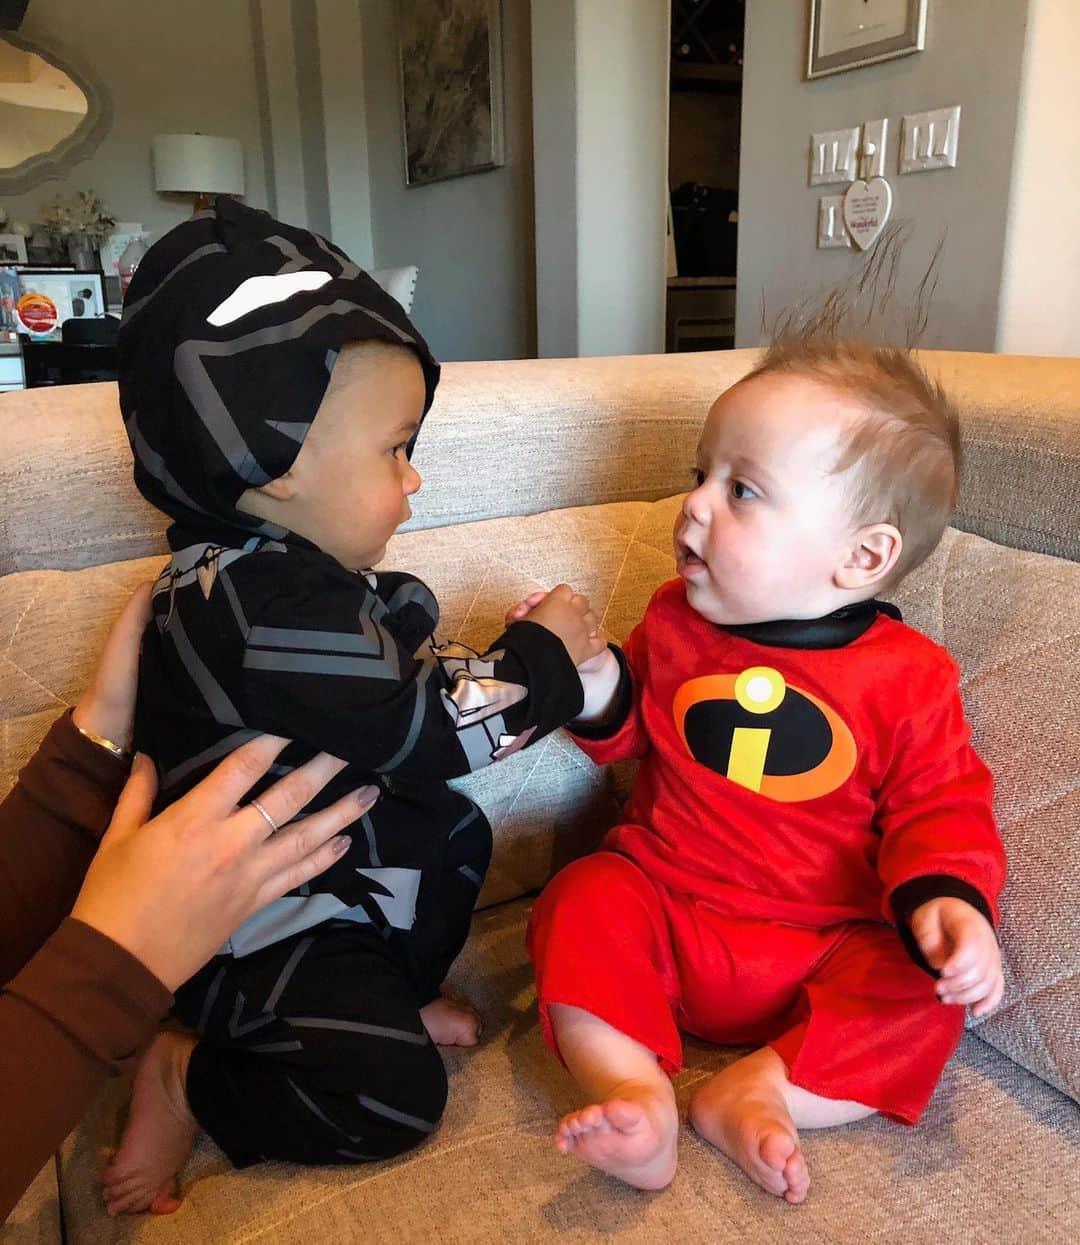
x,y
835,630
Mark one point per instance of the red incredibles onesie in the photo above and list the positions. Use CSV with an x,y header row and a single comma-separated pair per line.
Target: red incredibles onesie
x,y
804,786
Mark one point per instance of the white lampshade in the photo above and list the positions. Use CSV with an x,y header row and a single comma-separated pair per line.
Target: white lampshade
x,y
198,164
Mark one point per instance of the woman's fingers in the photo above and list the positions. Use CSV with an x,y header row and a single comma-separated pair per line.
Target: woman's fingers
x,y
308,846
293,793
137,798
223,788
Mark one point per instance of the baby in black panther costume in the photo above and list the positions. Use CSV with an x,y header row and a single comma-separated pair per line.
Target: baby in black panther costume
x,y
272,394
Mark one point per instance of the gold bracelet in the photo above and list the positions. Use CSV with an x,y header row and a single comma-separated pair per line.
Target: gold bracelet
x,y
121,754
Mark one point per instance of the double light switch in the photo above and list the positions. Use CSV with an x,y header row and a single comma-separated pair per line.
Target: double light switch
x,y
928,140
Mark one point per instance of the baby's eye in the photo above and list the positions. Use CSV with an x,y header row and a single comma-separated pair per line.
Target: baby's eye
x,y
741,491
698,476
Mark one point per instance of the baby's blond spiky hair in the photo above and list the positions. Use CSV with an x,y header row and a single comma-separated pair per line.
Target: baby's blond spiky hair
x,y
904,451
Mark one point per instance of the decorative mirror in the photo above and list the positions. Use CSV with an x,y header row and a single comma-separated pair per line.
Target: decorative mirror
x,y
52,113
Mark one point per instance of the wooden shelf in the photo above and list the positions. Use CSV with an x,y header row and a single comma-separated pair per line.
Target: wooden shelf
x,y
692,76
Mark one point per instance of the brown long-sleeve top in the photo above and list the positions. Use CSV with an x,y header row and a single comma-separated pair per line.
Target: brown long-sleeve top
x,y
74,1006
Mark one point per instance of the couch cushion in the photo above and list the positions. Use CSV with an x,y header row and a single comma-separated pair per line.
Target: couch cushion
x,y
1011,620
995,1159
36,1218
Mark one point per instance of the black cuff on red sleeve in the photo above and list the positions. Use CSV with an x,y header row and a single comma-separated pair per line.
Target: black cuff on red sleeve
x,y
912,894
619,711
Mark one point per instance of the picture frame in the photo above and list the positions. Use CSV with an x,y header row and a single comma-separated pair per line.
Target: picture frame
x,y
12,249
451,73
76,295
849,34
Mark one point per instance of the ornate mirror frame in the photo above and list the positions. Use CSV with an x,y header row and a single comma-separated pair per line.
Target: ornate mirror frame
x,y
80,143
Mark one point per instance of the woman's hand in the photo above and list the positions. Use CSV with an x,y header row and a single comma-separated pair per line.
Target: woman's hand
x,y
171,890
107,707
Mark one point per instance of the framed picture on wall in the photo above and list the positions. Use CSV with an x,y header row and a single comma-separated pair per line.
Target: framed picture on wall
x,y
847,34
451,87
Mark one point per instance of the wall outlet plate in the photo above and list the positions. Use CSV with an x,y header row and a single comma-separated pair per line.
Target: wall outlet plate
x,y
832,156
928,140
831,230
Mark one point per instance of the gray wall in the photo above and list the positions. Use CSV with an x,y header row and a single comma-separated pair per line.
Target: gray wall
x,y
472,237
554,84
973,57
622,125
167,68
600,92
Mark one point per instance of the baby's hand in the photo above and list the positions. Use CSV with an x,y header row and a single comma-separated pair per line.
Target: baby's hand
x,y
600,677
959,942
568,614
517,612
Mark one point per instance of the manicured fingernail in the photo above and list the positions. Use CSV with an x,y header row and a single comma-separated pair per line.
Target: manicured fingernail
x,y
365,794
341,844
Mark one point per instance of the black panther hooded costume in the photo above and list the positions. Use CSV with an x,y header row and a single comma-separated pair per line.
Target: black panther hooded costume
x,y
312,1048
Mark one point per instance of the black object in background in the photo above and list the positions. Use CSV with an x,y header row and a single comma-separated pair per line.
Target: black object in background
x,y
706,239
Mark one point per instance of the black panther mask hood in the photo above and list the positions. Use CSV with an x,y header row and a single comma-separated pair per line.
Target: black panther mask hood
x,y
230,330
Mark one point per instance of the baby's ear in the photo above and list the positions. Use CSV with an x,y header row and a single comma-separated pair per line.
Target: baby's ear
x,y
871,558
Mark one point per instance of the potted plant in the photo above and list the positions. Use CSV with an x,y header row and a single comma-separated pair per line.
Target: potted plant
x,y
77,226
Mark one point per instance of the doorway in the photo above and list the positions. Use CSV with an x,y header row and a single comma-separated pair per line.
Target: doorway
x,y
706,69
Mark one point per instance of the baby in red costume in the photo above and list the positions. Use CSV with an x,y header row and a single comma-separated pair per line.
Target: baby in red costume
x,y
808,862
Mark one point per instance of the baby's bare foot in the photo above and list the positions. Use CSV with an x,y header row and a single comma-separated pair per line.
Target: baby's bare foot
x,y
158,1135
451,1023
743,1112
633,1134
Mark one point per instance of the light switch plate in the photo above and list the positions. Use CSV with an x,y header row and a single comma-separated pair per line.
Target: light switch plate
x,y
831,230
928,140
872,150
832,156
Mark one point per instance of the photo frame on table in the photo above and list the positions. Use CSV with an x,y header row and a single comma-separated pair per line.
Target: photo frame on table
x,y
451,69
12,248
848,34
75,295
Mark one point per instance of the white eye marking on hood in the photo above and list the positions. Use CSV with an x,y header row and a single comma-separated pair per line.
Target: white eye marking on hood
x,y
262,291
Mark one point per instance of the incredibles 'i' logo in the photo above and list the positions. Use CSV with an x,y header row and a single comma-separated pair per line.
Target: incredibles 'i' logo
x,y
762,733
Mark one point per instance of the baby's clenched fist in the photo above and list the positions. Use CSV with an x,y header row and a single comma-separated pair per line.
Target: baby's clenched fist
x,y
960,943
568,614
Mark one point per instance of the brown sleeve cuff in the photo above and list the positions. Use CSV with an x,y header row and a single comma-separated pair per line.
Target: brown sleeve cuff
x,y
73,779
98,993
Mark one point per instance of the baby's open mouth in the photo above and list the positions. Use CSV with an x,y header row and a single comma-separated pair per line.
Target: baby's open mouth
x,y
687,561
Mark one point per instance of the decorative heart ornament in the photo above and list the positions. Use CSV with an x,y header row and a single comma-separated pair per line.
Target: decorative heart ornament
x,y
866,210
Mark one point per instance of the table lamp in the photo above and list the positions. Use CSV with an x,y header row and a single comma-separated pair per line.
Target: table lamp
x,y
199,164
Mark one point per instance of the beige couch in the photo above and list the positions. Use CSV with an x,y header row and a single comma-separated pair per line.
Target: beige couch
x,y
589,450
